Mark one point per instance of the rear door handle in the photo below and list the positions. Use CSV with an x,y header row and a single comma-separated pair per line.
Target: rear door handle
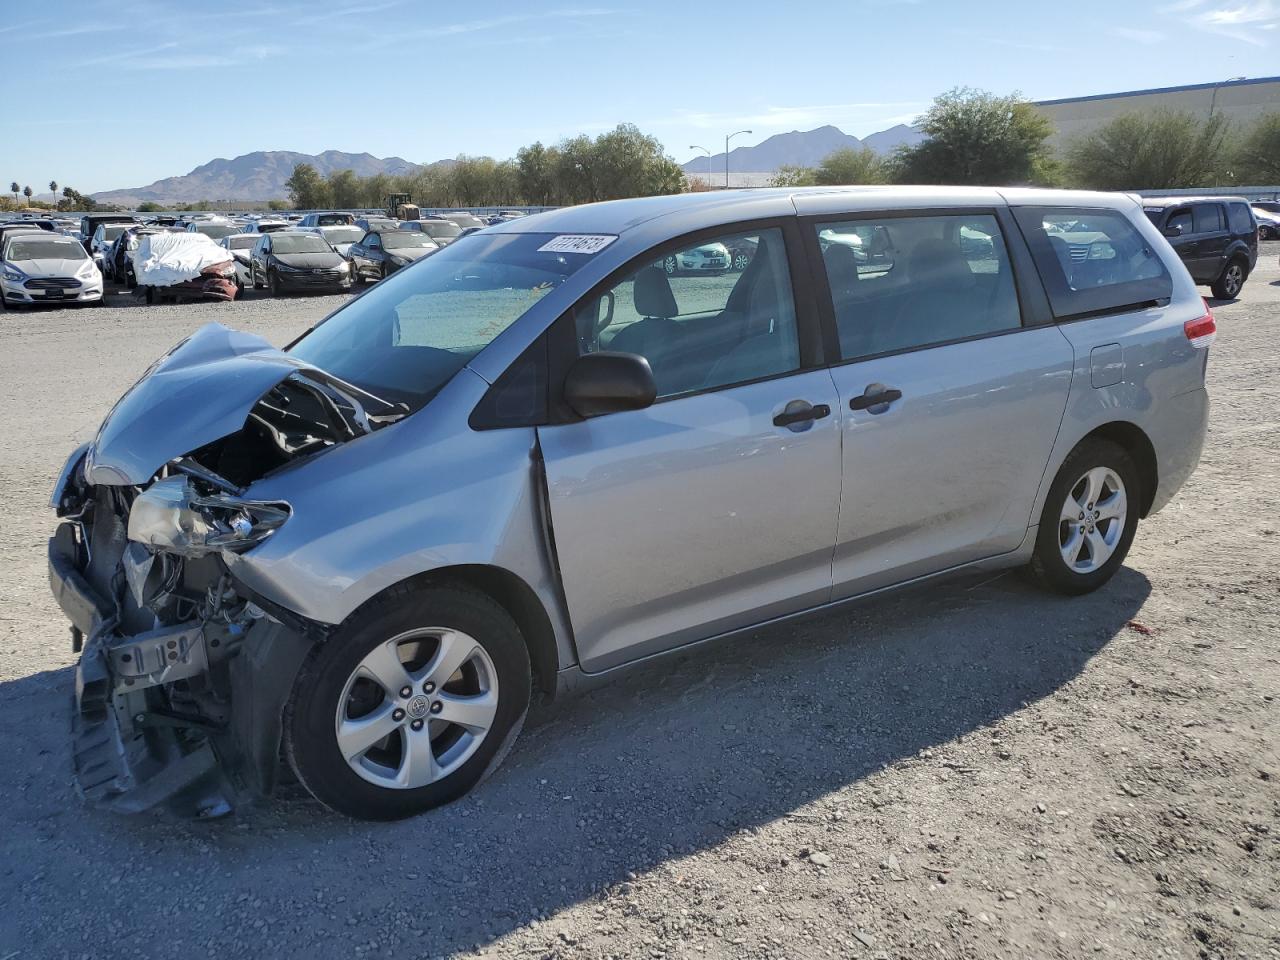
x,y
876,395
800,411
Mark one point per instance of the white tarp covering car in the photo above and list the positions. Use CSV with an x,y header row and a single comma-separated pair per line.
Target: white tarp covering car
x,y
165,259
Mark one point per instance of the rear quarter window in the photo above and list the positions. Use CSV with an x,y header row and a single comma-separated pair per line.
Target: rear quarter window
x,y
1092,261
1241,218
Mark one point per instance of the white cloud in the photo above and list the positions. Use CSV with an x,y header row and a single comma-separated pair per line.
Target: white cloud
x,y
1250,22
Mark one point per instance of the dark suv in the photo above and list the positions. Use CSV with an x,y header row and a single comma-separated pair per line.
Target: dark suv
x,y
1216,237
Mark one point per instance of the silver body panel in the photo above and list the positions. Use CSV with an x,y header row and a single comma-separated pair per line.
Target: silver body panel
x,y
729,521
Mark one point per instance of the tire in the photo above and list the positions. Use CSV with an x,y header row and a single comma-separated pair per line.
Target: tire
x,y
1229,285
273,284
1099,459
254,281
741,261
357,279
671,265
151,296
364,787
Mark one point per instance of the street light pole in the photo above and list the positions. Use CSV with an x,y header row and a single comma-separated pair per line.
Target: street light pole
x,y
726,155
708,153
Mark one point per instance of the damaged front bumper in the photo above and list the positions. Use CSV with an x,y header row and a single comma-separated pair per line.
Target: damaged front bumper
x,y
186,714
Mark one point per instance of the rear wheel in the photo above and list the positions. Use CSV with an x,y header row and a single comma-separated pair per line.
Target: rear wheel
x,y
1089,519
1228,286
740,261
671,266
410,704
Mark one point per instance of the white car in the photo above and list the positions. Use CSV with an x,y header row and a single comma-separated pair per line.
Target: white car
x,y
340,236
1268,222
47,268
100,243
266,226
241,247
707,258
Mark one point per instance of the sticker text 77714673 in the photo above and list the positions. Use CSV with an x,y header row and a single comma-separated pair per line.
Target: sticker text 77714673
x,y
577,243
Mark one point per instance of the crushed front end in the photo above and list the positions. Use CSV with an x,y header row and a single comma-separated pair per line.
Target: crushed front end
x,y
184,672
182,677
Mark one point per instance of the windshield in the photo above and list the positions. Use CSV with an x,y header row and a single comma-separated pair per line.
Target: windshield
x,y
466,220
217,230
242,241
405,338
437,228
327,218
36,249
299,243
342,234
111,233
409,240
376,225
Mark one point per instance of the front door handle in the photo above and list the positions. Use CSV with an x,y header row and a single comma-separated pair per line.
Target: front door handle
x,y
876,395
801,411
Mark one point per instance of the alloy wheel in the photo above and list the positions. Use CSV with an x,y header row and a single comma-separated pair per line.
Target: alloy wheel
x,y
1234,279
1092,520
416,708
740,261
670,266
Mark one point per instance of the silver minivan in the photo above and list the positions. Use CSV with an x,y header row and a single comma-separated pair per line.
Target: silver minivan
x,y
537,457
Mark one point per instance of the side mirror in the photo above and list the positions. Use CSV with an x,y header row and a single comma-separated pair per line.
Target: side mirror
x,y
599,383
1173,230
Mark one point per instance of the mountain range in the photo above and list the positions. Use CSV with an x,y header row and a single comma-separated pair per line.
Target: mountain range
x,y
262,175
805,148
253,176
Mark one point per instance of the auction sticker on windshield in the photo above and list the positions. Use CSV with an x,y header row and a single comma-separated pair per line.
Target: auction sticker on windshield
x,y
577,243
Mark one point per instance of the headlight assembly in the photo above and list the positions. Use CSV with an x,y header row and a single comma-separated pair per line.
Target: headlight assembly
x,y
170,516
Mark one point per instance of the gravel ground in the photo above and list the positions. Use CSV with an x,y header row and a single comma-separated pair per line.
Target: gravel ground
x,y
976,770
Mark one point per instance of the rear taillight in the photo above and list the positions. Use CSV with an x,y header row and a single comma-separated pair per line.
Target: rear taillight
x,y
1201,331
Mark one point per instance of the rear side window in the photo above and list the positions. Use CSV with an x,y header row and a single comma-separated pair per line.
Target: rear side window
x,y
1092,261
1208,218
1241,218
902,283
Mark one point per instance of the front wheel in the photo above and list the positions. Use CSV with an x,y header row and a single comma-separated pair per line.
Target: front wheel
x,y
273,284
410,704
1228,286
740,262
1089,519
671,266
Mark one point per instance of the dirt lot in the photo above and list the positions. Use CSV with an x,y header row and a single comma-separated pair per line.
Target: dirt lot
x,y
979,770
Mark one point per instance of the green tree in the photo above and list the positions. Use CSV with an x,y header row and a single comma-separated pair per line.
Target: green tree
x,y
850,166
26,192
344,189
150,206
307,188
1159,150
15,190
535,173
977,138
792,175
53,188
1257,156
278,205
628,163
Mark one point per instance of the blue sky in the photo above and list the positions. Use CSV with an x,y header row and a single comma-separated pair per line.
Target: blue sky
x,y
103,94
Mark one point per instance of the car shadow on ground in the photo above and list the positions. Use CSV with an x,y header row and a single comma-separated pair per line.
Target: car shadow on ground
x,y
673,758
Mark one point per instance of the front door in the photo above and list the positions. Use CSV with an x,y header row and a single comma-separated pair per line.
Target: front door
x,y
949,406
716,507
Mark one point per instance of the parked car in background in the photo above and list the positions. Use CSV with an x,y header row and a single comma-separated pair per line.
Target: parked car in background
x,y
118,266
1216,237
289,261
41,267
240,246
330,218
214,229
490,476
464,219
90,222
340,237
266,226
1268,219
377,224
100,243
14,227
704,258
442,231
380,254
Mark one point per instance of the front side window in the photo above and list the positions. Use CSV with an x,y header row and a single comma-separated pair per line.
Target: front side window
x,y
1092,261
917,281
405,338
1180,222
700,323
1208,218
